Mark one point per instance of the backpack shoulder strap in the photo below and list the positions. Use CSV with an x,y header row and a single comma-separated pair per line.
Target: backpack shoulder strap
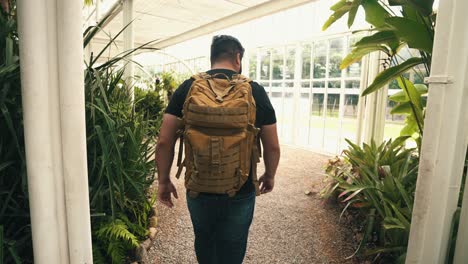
x,y
239,78
201,76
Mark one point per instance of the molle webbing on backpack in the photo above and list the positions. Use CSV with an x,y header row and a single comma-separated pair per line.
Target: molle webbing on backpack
x,y
219,135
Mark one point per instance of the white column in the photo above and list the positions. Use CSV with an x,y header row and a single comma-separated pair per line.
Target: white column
x,y
52,66
444,142
129,40
362,100
374,117
38,134
72,109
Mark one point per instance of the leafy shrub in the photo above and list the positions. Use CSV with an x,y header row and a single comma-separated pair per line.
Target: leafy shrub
x,y
150,104
120,159
379,181
120,165
15,227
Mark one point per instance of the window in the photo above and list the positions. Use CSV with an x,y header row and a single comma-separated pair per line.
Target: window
x,y
320,59
253,66
322,98
306,60
265,65
277,59
290,59
336,56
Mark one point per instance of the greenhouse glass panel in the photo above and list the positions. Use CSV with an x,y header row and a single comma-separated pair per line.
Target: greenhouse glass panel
x,y
290,62
303,116
316,121
332,123
354,84
306,60
288,113
334,84
320,59
277,102
253,66
354,70
318,84
393,123
349,121
265,65
336,56
278,64
333,104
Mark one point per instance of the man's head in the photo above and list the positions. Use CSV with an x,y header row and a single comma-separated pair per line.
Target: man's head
x,y
226,51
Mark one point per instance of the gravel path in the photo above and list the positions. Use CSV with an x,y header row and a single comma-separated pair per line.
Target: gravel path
x,y
288,226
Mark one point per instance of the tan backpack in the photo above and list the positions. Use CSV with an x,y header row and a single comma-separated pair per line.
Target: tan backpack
x,y
219,135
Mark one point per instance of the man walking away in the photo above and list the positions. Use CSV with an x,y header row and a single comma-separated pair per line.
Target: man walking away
x,y
222,116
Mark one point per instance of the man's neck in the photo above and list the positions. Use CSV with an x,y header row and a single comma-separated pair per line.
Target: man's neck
x,y
223,67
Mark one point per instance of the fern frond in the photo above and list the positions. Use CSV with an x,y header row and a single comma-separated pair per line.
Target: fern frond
x,y
117,230
116,251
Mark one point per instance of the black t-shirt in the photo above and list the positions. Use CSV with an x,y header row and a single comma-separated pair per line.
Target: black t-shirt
x,y
265,114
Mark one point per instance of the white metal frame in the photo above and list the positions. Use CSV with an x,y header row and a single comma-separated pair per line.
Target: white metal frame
x,y
444,143
52,81
264,9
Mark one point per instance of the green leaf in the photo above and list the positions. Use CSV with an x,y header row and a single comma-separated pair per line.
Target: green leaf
x,y
397,142
413,95
415,34
423,6
391,73
339,5
340,8
401,109
396,2
353,11
367,233
399,97
375,13
421,88
384,250
357,54
409,129
387,38
404,194
414,99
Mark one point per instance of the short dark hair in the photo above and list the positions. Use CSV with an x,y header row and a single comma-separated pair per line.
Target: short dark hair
x,y
224,47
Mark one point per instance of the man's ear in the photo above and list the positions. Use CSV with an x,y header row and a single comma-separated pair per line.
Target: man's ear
x,y
238,59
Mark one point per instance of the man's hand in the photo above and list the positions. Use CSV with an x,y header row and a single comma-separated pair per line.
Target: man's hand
x,y
271,156
164,193
267,183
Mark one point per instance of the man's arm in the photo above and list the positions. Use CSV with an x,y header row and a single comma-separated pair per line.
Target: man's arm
x,y
164,158
271,156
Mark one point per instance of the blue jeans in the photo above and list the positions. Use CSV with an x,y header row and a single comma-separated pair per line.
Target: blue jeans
x,y
221,225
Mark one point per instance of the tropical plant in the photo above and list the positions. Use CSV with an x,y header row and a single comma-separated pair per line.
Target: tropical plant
x,y
15,227
380,182
457,214
120,157
168,83
150,104
396,26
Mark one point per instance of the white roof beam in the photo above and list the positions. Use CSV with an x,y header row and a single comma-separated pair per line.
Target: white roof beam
x,y
248,14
